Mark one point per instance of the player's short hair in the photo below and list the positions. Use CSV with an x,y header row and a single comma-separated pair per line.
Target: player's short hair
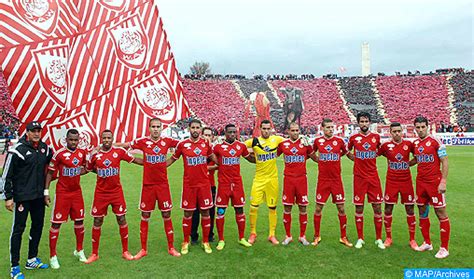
x,y
265,121
293,124
197,121
106,131
72,132
395,124
153,119
208,128
326,121
363,114
421,119
229,126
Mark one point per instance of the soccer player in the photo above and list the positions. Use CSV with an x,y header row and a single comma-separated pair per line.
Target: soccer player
x,y
265,183
155,189
69,162
108,191
228,154
196,188
398,181
431,178
331,149
295,152
366,178
207,134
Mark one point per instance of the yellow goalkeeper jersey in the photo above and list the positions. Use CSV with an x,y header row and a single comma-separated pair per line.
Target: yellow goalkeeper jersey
x,y
265,154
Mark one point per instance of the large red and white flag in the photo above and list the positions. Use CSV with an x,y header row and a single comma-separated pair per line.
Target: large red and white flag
x,y
89,64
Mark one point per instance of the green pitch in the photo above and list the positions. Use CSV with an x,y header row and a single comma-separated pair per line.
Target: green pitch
x,y
329,259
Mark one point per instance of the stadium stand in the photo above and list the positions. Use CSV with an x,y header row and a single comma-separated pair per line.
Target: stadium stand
x,y
8,118
464,97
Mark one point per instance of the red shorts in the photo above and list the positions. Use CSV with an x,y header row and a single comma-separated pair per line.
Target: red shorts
x,y
103,200
295,190
427,193
405,188
192,197
330,187
67,204
233,192
367,185
151,194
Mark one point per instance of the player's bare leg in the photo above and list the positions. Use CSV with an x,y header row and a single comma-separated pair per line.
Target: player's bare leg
x,y
272,220
287,223
144,223
445,230
96,231
303,218
79,232
359,218
253,223
425,228
317,223
240,219
341,213
168,225
411,221
187,223
123,226
53,239
378,222
388,224
206,227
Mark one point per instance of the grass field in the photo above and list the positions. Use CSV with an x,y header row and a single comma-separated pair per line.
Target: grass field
x,y
329,259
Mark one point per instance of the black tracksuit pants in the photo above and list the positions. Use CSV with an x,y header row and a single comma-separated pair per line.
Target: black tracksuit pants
x,y
36,209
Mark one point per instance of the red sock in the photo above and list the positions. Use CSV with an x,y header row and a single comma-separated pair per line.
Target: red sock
x,y
445,230
287,223
53,240
144,232
387,220
359,219
425,229
220,226
317,225
124,237
187,223
303,222
378,222
79,231
411,221
206,228
240,219
95,239
168,225
342,225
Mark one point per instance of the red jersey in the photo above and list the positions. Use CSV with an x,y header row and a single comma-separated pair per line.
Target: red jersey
x,y
365,151
398,158
295,154
69,165
154,158
228,155
195,156
427,153
107,166
330,151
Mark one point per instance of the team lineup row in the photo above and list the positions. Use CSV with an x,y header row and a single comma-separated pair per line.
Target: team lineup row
x,y
201,157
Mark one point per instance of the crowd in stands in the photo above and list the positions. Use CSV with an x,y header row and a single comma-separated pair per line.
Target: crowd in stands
x,y
405,97
8,119
359,95
464,100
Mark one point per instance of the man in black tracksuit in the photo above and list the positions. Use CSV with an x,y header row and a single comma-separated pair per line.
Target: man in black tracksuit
x,y
24,178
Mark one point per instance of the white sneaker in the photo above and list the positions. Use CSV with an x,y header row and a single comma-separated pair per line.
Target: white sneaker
x,y
54,263
380,244
287,240
359,243
303,241
425,247
80,255
442,253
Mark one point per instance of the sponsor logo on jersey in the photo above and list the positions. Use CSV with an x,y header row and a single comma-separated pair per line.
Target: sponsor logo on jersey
x,y
363,155
229,161
266,157
154,159
197,160
294,159
107,172
71,172
324,157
